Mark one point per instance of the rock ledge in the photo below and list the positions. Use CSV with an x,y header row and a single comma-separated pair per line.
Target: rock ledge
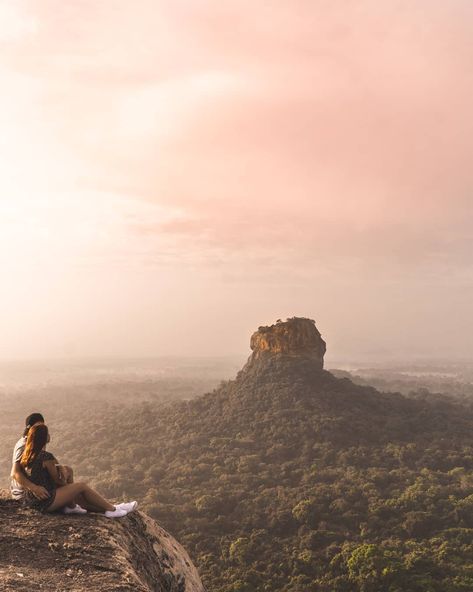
x,y
91,552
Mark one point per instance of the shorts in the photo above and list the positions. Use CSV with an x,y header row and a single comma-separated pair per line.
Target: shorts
x,y
41,505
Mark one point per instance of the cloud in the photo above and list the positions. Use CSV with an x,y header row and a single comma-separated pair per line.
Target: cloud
x,y
332,130
15,25
301,154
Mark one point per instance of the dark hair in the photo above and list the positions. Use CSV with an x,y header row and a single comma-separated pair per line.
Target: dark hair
x,y
36,441
31,420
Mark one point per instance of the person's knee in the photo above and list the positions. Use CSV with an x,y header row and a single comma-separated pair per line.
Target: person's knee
x,y
69,474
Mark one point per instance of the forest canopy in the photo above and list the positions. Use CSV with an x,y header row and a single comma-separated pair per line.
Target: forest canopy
x,y
302,482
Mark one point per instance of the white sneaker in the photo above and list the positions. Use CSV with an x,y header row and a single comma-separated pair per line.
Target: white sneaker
x,y
75,510
117,513
128,506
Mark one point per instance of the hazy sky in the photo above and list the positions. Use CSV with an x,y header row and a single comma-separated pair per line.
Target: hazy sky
x,y
174,174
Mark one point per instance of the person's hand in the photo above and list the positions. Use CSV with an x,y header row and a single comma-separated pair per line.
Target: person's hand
x,y
39,492
62,473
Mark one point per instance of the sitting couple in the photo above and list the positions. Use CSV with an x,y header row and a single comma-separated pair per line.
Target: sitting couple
x,y
42,483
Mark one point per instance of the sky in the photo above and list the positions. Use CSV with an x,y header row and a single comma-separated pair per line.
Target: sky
x,y
174,174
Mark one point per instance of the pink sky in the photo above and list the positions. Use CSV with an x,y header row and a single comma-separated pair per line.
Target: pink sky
x,y
175,174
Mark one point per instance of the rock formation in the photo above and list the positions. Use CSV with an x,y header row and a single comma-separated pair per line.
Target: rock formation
x,y
89,553
297,337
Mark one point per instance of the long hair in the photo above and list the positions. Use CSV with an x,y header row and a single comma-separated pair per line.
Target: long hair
x,y
35,442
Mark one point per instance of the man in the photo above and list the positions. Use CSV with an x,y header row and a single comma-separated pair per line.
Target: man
x,y
19,480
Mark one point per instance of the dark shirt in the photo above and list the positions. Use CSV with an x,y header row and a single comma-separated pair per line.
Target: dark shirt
x,y
39,475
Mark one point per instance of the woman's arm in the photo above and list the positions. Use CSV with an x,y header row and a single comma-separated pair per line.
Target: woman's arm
x,y
50,465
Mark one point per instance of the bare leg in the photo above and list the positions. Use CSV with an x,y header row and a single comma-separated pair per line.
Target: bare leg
x,y
68,493
95,499
69,479
69,474
83,503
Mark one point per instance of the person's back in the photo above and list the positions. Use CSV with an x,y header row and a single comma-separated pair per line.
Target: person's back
x,y
19,483
38,474
17,491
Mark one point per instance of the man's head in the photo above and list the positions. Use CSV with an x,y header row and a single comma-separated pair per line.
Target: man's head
x,y
31,420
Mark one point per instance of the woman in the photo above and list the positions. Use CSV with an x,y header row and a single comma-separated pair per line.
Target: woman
x,y
40,467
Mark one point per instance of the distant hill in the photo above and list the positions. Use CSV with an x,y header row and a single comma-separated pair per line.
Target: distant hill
x,y
289,479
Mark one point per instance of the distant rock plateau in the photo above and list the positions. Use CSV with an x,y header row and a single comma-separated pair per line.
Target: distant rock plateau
x,y
297,337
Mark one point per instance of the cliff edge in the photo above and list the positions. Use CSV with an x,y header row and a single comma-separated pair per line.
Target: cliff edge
x,y
87,553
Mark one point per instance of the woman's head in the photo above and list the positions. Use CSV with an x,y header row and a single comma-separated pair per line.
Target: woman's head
x,y
38,437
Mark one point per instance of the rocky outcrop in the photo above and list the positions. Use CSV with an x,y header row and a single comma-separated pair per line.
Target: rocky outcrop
x,y
54,552
297,337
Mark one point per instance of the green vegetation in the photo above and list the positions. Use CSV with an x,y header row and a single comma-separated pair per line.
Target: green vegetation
x,y
291,480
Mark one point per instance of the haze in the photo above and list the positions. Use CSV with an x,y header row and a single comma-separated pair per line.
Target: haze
x,y
175,174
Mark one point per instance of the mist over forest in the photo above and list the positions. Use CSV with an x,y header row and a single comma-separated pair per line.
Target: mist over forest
x,y
279,510
60,389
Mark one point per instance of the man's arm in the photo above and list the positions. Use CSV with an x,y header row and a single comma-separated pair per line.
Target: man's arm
x,y
19,475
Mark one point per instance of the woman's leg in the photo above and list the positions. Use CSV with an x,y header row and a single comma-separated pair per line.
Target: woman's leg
x,y
69,493
83,503
69,474
69,477
65,495
95,499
